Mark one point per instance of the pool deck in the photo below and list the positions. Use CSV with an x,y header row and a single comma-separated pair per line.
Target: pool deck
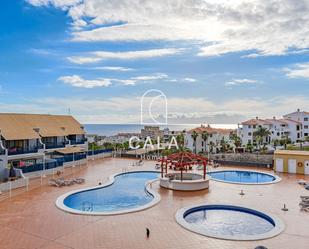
x,y
31,219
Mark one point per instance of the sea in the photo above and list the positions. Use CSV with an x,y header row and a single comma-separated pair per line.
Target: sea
x,y
114,129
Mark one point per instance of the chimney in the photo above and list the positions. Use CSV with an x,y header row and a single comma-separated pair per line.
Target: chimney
x,y
37,130
298,110
256,118
274,117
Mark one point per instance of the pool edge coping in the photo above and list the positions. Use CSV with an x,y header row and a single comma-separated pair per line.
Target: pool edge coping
x,y
278,229
277,178
111,179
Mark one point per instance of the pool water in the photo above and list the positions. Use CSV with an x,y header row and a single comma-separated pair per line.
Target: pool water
x,y
242,176
229,221
127,192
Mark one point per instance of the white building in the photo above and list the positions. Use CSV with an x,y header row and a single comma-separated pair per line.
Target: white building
x,y
303,118
213,142
294,126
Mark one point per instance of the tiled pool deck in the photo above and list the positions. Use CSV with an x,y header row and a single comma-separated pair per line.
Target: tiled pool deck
x,y
31,219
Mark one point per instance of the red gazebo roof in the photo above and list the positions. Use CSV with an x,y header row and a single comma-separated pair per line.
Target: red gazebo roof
x,y
182,160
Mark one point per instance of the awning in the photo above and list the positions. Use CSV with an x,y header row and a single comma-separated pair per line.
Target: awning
x,y
70,150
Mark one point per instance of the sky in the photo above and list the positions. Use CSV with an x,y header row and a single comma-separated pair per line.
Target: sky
x,y
216,61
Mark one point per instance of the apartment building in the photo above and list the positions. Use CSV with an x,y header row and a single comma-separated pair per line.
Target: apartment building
x,y
151,131
26,138
213,141
302,117
294,126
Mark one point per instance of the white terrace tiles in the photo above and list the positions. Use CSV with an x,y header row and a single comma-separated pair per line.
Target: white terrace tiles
x,y
31,219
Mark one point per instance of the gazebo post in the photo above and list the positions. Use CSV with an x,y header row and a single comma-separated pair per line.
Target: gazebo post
x,y
204,169
162,168
181,169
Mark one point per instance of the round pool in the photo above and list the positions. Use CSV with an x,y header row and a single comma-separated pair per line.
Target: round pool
x,y
243,177
229,222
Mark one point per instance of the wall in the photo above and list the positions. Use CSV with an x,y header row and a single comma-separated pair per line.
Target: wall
x,y
298,158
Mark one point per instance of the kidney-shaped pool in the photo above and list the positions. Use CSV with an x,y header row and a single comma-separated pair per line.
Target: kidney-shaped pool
x,y
126,192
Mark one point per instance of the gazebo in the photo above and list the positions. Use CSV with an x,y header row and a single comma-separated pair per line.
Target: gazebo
x,y
182,161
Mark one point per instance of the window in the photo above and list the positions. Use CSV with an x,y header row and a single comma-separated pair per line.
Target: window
x,y
249,133
306,119
305,126
306,134
249,126
254,126
278,134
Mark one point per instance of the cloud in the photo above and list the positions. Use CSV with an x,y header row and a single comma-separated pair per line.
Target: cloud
x,y
119,69
126,109
262,28
77,81
235,82
158,76
97,56
300,70
189,79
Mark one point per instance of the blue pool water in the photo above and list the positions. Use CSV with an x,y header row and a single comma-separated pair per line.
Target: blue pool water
x,y
225,220
127,192
242,176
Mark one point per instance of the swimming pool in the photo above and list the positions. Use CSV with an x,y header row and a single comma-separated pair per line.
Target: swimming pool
x,y
229,222
126,192
243,177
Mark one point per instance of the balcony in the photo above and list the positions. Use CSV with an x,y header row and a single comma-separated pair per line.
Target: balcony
x,y
19,151
54,145
82,141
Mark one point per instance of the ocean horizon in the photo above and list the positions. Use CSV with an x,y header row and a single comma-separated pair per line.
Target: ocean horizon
x,y
114,129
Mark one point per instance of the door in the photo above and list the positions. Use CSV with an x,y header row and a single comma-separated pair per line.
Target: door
x,y
279,164
292,166
307,167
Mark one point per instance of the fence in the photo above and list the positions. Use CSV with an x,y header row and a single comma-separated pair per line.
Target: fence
x,y
58,162
37,177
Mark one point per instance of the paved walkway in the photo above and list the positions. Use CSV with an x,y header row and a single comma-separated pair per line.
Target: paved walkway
x,y
30,220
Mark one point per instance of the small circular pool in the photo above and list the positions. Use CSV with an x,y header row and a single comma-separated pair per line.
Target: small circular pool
x,y
229,222
243,177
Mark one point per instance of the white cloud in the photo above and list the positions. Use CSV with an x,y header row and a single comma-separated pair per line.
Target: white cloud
x,y
119,69
263,28
127,108
158,76
97,56
300,70
189,79
77,81
240,82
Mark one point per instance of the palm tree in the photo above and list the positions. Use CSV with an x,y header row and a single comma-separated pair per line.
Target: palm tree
x,y
285,140
211,146
236,140
205,137
223,145
180,141
260,134
194,137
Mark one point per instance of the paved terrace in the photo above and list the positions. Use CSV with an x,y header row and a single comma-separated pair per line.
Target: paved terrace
x,y
31,219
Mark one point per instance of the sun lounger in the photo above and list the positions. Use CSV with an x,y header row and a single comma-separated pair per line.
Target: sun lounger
x,y
301,182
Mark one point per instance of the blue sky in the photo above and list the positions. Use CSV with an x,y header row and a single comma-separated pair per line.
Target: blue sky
x,y
98,58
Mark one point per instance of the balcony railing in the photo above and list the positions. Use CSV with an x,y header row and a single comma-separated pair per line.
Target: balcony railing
x,y
82,141
18,151
53,146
